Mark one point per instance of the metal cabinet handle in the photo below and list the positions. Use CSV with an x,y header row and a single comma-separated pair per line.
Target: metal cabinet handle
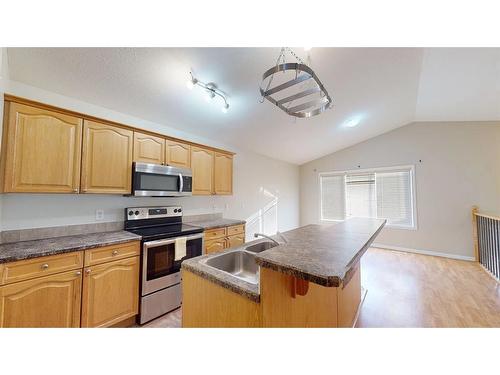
x,y
45,266
75,190
88,271
78,273
115,252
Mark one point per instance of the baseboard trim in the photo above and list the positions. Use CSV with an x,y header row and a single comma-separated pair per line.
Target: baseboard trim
x,y
424,252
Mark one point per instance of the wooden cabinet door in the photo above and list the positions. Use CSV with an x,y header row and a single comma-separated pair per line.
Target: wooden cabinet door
x,y
51,301
110,292
202,165
178,154
43,150
236,240
148,148
107,159
223,174
215,245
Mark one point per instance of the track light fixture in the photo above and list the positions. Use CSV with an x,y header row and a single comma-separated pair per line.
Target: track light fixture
x,y
211,91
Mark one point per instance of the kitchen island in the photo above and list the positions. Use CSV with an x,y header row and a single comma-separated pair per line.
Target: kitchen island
x,y
312,280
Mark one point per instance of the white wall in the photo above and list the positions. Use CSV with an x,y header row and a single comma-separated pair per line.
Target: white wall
x,y
4,81
266,191
460,168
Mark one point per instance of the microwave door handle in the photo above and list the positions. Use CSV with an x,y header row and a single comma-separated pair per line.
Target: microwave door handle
x,y
181,183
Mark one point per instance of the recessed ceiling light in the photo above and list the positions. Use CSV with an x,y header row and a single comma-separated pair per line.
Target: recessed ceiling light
x,y
351,123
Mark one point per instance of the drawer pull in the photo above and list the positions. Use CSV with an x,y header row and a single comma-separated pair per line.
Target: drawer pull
x,y
45,266
115,252
78,273
88,271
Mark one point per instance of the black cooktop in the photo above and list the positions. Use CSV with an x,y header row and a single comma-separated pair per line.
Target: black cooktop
x,y
165,231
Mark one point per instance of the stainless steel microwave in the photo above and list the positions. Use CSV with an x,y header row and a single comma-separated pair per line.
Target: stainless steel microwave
x,y
156,180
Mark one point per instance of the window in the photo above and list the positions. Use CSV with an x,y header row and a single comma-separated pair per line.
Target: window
x,y
386,193
332,197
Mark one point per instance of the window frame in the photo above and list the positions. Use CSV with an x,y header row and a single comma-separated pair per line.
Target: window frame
x,y
413,192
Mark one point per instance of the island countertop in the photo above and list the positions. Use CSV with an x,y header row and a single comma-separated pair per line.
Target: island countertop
x,y
322,254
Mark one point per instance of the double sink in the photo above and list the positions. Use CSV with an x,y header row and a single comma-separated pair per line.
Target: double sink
x,y
240,262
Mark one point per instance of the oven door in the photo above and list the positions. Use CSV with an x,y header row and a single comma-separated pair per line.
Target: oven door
x,y
155,180
159,267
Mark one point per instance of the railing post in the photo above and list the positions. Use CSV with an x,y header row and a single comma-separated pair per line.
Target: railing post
x,y
475,209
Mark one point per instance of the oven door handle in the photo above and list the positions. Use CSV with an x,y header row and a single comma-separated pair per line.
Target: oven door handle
x,y
195,236
157,243
168,241
181,183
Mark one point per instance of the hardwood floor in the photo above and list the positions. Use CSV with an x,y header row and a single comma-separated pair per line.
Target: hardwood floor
x,y
171,320
413,290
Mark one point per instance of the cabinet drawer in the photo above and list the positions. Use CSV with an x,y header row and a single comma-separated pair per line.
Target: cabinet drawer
x,y
43,266
215,233
109,253
235,229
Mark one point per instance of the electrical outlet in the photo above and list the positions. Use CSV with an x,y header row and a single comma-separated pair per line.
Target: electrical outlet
x,y
99,215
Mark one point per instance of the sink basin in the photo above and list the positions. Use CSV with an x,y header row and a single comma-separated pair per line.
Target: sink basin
x,y
239,263
260,246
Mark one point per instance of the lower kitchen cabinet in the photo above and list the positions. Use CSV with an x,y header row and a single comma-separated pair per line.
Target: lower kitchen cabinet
x,y
236,240
213,246
110,292
223,238
45,302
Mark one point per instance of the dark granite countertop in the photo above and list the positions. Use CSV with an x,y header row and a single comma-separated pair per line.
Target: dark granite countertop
x,y
10,252
323,254
216,223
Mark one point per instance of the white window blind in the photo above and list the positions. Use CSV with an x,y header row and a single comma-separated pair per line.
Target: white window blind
x,y
385,193
360,195
394,197
332,197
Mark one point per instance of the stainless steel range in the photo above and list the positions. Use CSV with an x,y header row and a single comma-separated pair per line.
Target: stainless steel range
x,y
166,242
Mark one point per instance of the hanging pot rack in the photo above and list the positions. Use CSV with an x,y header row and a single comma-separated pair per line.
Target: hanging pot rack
x,y
303,73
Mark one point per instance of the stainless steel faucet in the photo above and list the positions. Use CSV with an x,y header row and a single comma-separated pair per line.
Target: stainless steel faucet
x,y
270,238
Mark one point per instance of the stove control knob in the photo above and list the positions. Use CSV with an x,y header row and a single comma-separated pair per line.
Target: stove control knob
x,y
130,213
136,213
175,210
180,210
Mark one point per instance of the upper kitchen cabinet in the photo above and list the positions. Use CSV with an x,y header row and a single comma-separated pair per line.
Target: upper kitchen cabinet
x,y
223,174
41,150
148,148
106,159
178,154
202,166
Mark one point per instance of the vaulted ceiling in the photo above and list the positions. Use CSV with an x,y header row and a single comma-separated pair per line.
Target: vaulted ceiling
x,y
384,88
